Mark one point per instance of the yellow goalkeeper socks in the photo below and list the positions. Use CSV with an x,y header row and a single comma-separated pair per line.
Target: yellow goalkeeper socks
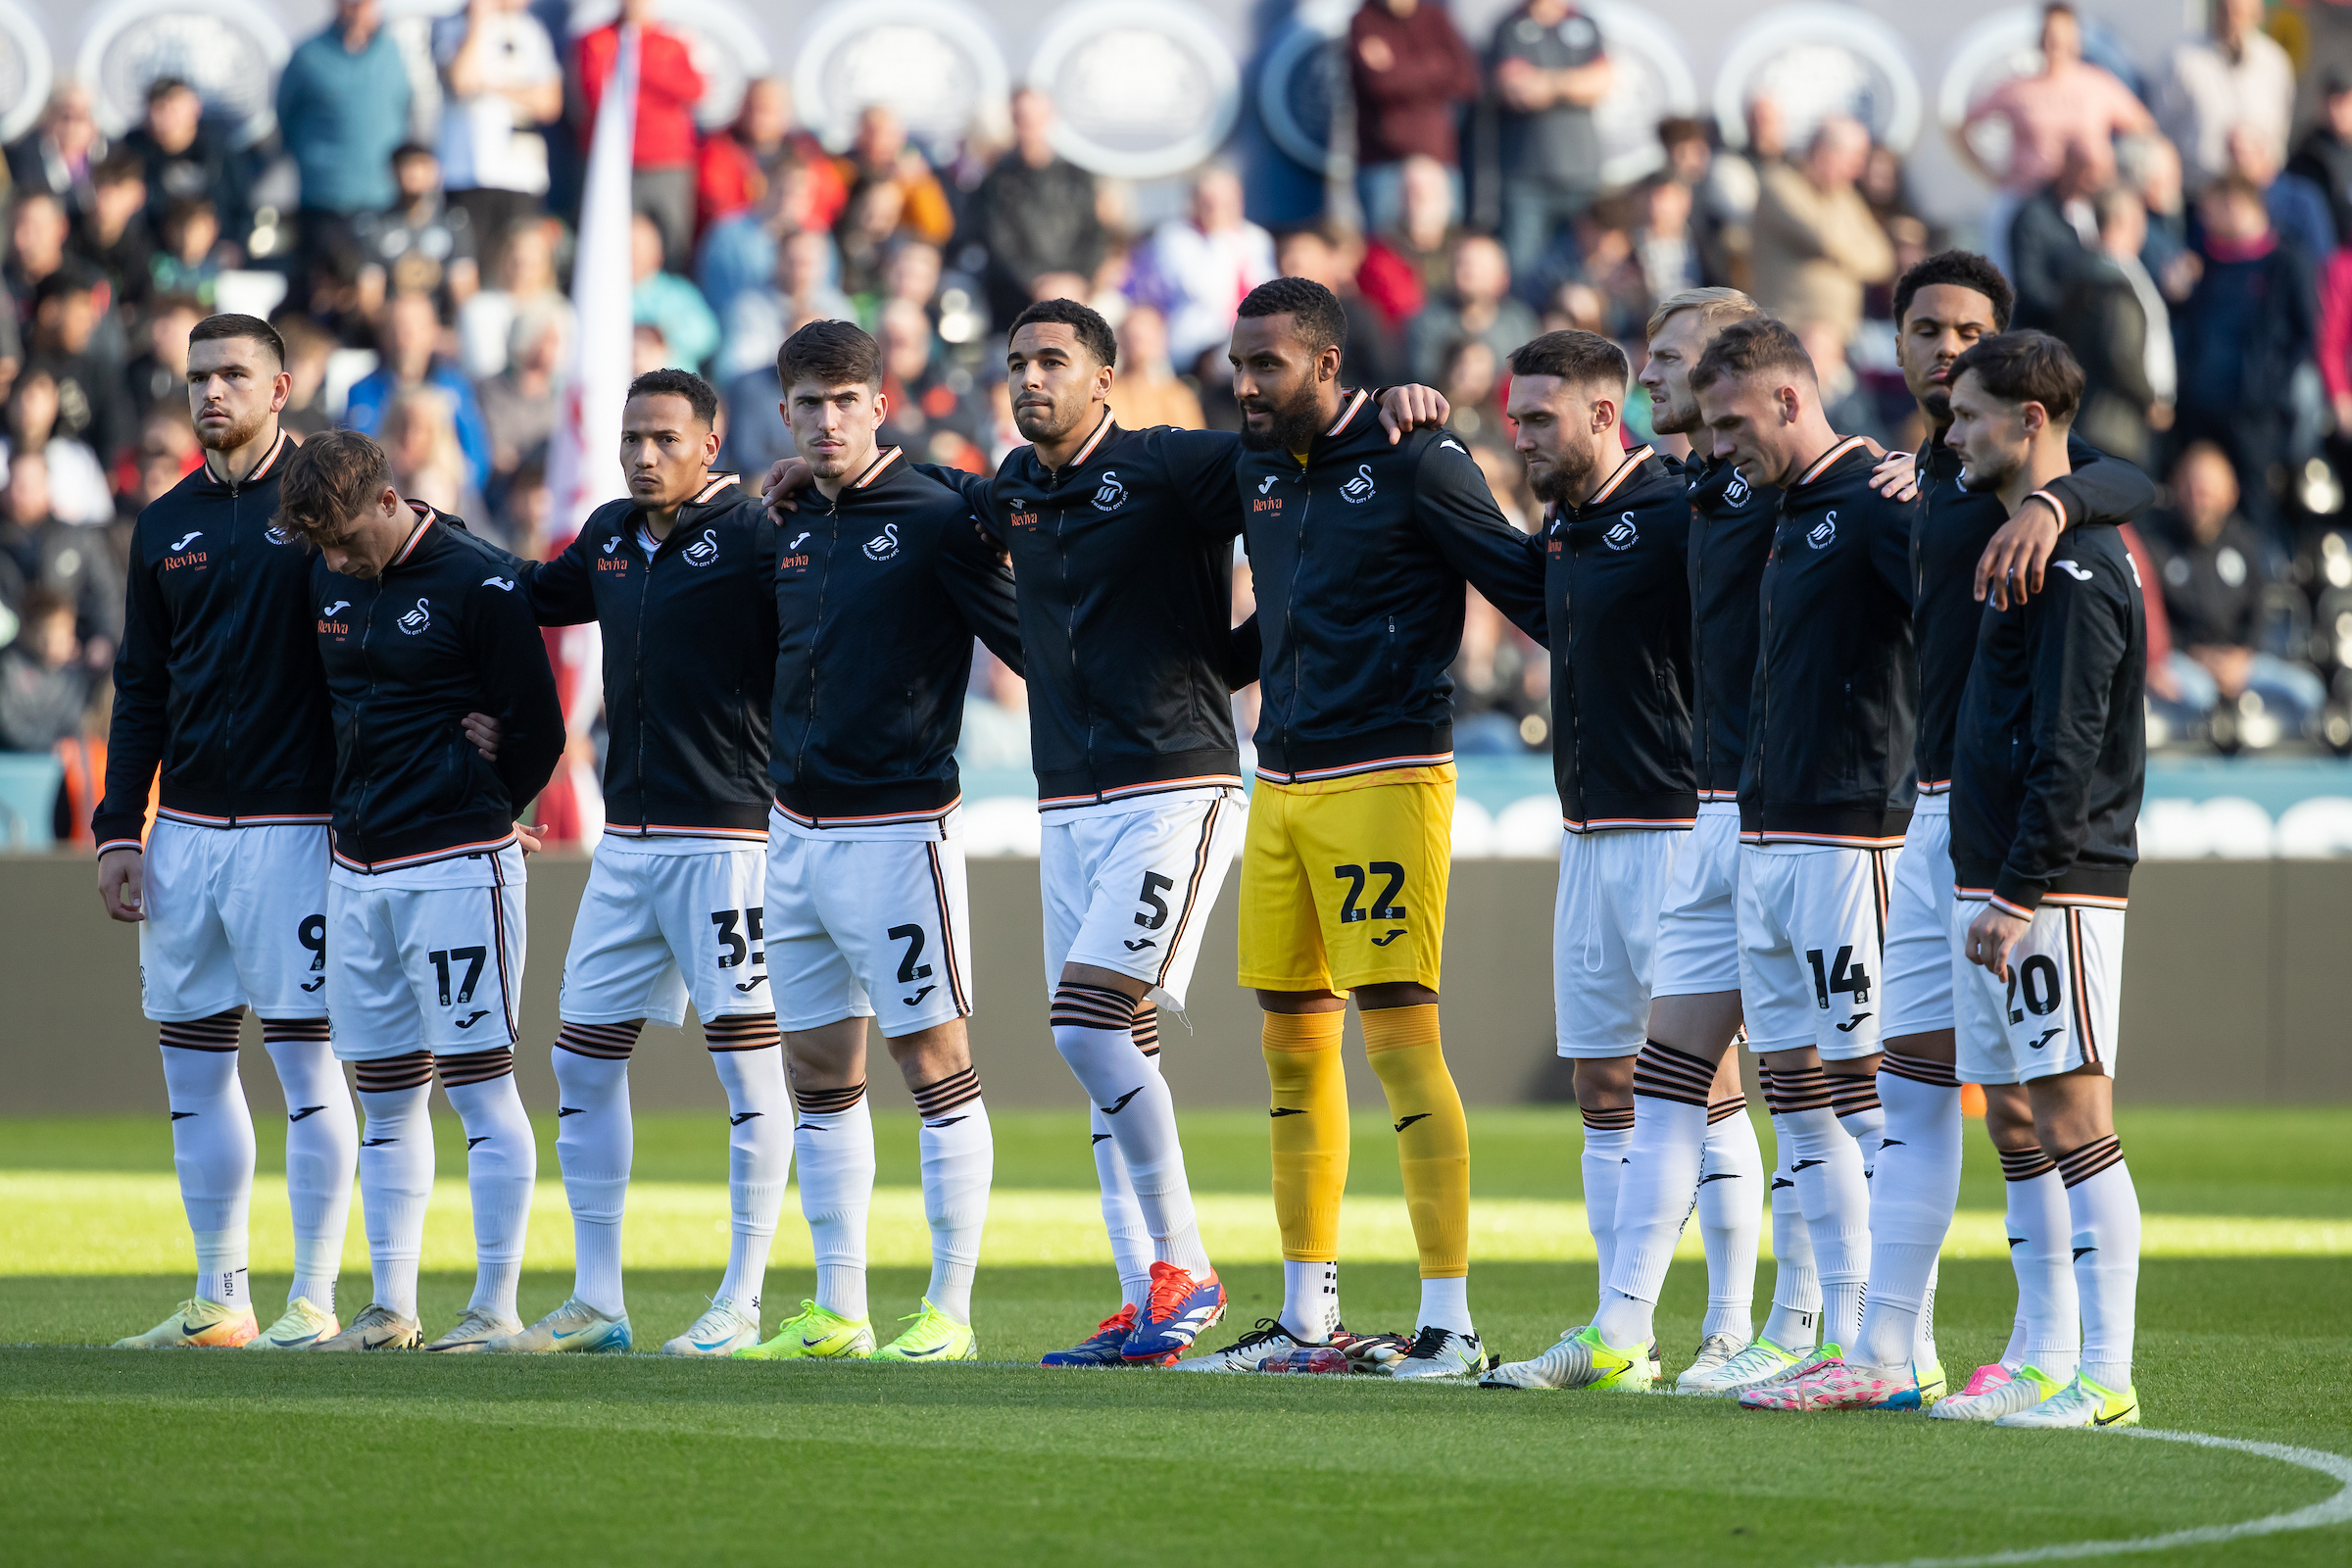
x,y
1433,1139
1309,1127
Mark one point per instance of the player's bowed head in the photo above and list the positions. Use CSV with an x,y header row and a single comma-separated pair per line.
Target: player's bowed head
x,y
1759,404
1567,401
338,497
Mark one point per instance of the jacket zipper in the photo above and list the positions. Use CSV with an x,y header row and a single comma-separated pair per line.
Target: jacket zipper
x,y
359,811
1290,625
1069,634
817,630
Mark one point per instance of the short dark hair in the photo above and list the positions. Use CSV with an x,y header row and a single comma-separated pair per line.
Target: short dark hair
x,y
165,85
1680,128
831,354
1960,269
330,479
252,326
120,168
412,149
700,394
1583,359
1094,333
2026,366
1750,348
42,602
73,277
1316,317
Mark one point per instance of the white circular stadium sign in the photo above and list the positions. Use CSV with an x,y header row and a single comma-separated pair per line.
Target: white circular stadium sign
x,y
1141,89
1816,60
229,52
934,61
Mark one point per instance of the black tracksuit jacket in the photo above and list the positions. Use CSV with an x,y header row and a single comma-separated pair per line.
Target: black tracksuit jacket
x,y
1948,534
443,632
878,594
2051,751
1359,560
689,660
1732,525
1830,727
1124,566
218,680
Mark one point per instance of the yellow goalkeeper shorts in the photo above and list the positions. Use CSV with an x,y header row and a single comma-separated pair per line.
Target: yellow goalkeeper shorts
x,y
1343,881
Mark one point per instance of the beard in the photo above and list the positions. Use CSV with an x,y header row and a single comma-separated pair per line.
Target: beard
x,y
1936,403
1983,476
1667,418
1047,422
1291,427
241,432
1564,477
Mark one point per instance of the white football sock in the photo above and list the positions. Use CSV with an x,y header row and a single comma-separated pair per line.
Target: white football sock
x,y
1795,1322
759,1162
1310,1300
1856,1102
2103,1208
594,1147
1730,1214
959,1159
1608,1136
833,1139
1657,1180
1093,1031
2049,1324
1912,1197
396,1180
1122,1215
1827,1166
502,1166
213,1150
1445,1304
322,1146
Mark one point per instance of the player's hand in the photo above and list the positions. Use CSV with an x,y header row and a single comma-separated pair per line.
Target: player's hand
x,y
1413,408
786,478
529,837
2013,562
1991,937
123,885
1896,477
484,731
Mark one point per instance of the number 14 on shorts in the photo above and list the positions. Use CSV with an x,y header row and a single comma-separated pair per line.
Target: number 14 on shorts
x,y
1840,976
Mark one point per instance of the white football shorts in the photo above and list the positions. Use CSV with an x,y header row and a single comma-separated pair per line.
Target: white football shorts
x,y
659,928
867,929
1699,919
1604,936
426,957
1812,924
1919,925
236,916
2058,1010
1130,889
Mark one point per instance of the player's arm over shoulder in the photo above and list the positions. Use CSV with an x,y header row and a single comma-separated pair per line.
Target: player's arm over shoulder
x,y
516,685
1456,511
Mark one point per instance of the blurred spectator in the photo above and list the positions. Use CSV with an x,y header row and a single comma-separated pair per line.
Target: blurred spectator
x,y
520,402
865,235
71,562
420,244
1195,269
115,233
1549,70
2055,232
168,454
1845,402
60,154
761,318
159,376
1149,391
1411,70
667,301
996,716
741,254
2213,570
189,261
739,166
38,236
1035,212
307,348
184,155
1479,306
926,392
502,82
408,337
1690,162
420,439
66,309
880,152
1736,184
2325,155
2151,167
649,350
1664,246
1411,263
1499,684
75,482
342,107
2298,208
1470,377
912,275
2237,76
1611,274
1816,242
2115,318
1327,254
44,687
2067,103
522,289
756,434
2251,321
527,519
667,89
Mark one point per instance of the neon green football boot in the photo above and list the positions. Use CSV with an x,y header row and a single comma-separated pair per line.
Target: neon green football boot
x,y
933,1337
815,1334
2081,1403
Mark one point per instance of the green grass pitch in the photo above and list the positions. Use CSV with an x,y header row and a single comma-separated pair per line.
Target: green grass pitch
x,y
2246,1331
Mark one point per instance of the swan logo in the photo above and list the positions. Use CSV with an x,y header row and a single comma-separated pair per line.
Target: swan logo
x,y
1737,491
280,534
415,621
1358,490
704,551
182,544
1110,495
505,584
1824,533
1622,534
884,545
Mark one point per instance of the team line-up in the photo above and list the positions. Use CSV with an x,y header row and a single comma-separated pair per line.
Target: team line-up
x,y
1849,755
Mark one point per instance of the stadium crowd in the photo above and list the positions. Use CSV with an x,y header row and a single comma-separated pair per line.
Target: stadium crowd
x,y
2184,235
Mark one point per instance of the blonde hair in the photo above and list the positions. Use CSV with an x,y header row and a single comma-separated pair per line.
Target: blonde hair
x,y
1716,307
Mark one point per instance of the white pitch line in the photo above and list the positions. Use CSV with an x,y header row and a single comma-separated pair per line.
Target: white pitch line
x,y
2334,1510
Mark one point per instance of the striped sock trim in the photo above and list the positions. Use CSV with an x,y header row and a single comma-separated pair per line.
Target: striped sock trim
x,y
1849,1096
475,1067
279,1031
956,1088
2024,1164
742,1031
1796,1089
827,1101
1146,1027
1726,1109
386,1074
605,1041
1920,1070
1077,1006
1605,1121
216,1033
2082,1164
1664,1073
